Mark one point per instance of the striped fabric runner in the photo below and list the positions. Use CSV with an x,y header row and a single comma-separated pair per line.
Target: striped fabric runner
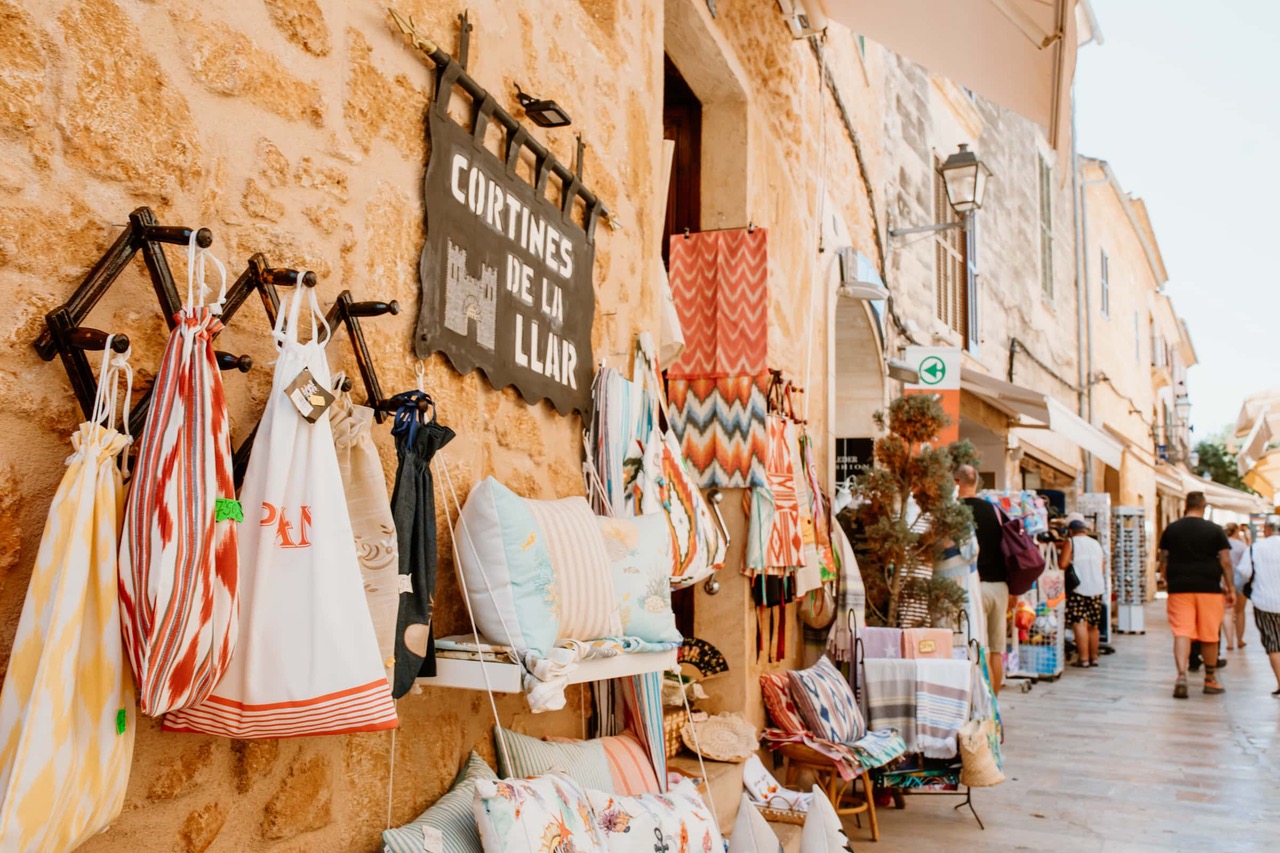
x,y
323,715
943,691
584,581
643,701
179,567
891,696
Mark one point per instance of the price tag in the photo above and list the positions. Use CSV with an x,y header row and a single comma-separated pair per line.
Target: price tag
x,y
308,396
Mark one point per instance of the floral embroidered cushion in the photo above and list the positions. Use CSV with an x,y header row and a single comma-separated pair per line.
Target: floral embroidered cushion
x,y
677,821
549,813
639,552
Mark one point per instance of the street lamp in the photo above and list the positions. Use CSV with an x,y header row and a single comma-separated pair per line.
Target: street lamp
x,y
965,177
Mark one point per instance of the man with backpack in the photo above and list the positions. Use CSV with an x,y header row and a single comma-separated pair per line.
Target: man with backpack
x,y
996,601
1195,561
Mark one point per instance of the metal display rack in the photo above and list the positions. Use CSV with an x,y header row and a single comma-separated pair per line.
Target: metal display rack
x,y
1096,509
1129,567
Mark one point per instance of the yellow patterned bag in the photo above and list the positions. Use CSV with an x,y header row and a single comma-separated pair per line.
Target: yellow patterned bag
x,y
67,708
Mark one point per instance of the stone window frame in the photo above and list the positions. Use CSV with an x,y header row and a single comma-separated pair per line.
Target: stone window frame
x,y
1044,175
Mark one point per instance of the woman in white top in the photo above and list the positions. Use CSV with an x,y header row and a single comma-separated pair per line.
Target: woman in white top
x,y
1233,626
1261,565
1084,603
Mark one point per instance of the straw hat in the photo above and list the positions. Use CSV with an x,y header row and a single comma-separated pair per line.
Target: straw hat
x,y
724,737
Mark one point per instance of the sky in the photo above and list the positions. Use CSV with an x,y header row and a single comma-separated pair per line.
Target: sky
x,y
1183,100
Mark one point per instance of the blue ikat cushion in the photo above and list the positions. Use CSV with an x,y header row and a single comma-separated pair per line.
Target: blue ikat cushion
x,y
826,702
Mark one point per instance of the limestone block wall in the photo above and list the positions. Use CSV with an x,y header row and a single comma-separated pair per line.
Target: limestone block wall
x,y
295,128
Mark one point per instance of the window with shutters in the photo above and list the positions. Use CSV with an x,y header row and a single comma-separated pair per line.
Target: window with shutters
x,y
951,264
1105,302
1046,228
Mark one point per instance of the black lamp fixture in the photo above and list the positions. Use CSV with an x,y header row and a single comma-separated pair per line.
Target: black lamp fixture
x,y
965,177
543,113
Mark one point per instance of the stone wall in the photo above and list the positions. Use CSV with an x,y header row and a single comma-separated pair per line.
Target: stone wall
x,y
295,128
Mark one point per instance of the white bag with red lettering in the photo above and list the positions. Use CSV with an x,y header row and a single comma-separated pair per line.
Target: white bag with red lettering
x,y
307,660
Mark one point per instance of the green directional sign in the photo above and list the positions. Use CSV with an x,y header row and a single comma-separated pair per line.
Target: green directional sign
x,y
932,370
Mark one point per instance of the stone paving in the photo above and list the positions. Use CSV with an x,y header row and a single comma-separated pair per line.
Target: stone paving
x,y
1106,760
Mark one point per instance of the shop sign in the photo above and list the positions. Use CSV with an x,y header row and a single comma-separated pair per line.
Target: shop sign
x,y
939,369
851,455
506,274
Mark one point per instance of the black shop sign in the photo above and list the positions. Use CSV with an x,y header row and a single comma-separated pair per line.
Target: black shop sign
x,y
506,274
851,455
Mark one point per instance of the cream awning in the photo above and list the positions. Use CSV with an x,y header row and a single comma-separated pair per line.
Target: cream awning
x,y
1021,403
1019,53
1228,498
1263,476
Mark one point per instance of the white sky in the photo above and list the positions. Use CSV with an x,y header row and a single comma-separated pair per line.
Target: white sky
x,y
1183,99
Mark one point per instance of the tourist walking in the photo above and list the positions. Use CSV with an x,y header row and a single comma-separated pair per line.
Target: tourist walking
x,y
1240,539
1195,562
1261,564
996,601
1084,603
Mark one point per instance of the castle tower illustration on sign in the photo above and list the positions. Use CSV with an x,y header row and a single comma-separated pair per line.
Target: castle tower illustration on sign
x,y
467,298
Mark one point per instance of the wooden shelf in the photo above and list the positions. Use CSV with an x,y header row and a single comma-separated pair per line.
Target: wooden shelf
x,y
507,677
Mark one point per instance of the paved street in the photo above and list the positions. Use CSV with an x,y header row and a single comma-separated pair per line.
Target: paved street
x,y
1106,760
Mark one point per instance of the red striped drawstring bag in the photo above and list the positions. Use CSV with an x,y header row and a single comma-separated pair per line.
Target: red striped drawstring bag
x,y
179,565
307,661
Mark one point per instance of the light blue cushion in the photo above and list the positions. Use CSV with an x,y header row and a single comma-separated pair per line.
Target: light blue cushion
x,y
450,818
639,552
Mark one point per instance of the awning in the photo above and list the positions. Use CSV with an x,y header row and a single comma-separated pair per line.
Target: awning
x,y
1228,498
1044,412
1019,53
1263,476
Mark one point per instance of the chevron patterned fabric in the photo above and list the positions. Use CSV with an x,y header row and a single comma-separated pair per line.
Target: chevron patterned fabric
x,y
720,284
721,427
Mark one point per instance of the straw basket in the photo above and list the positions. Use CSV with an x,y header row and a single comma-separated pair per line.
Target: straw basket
x,y
724,737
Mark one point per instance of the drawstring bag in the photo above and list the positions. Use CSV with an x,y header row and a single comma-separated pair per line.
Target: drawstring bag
x,y
179,569
414,505
67,705
370,510
307,659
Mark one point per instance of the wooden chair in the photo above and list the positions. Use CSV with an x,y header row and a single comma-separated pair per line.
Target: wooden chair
x,y
797,757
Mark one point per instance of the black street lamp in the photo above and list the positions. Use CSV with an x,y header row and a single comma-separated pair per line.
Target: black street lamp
x,y
966,179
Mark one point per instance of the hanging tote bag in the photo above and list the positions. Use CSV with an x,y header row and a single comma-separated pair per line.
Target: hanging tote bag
x,y
67,708
414,504
307,659
370,510
179,575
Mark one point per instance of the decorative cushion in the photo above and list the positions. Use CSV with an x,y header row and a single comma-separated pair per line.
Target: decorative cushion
x,y
584,761
630,767
448,825
680,819
822,830
826,702
535,816
639,552
775,688
535,570
751,832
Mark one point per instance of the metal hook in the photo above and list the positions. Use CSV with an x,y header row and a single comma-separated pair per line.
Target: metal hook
x,y
420,373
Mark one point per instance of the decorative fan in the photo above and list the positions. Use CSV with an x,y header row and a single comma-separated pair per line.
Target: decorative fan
x,y
703,657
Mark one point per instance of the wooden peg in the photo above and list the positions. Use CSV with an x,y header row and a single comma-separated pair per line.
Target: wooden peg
x,y
227,361
373,309
177,235
96,339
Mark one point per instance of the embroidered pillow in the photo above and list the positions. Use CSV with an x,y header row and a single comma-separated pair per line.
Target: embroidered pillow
x,y
630,767
775,688
679,819
448,825
826,703
550,813
584,761
537,571
639,552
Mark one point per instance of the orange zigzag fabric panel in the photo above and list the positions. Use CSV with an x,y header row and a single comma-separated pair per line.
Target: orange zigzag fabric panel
x,y
721,426
720,285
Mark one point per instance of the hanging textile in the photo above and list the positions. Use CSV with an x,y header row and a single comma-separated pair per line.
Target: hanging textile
x,y
851,601
642,710
374,529
414,504
179,564
672,336
720,284
307,659
809,573
624,414
786,536
67,707
761,513
821,511
721,427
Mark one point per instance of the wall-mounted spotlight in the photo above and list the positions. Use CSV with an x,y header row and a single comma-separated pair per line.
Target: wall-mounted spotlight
x,y
858,276
543,113
903,372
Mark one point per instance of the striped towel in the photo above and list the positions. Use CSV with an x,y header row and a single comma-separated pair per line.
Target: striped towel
x,y
891,697
943,689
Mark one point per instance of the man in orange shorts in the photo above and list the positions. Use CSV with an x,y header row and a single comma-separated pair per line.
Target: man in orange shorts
x,y
1195,562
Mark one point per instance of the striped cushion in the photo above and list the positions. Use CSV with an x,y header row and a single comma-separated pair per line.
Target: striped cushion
x,y
584,578
775,687
826,702
585,761
449,825
630,767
